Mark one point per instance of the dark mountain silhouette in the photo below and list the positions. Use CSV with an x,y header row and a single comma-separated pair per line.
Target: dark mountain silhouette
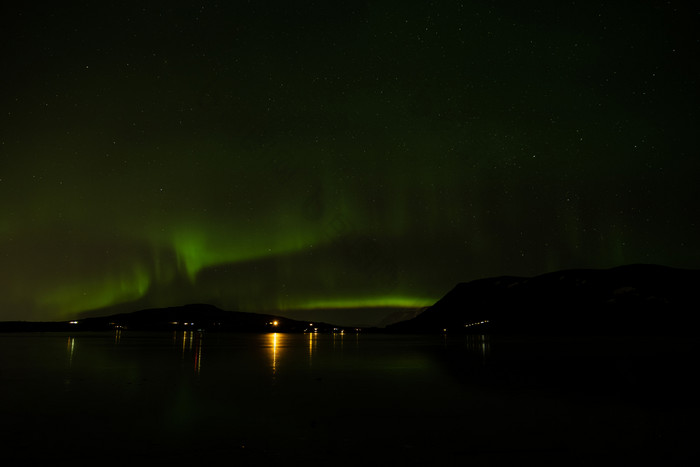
x,y
188,317
634,299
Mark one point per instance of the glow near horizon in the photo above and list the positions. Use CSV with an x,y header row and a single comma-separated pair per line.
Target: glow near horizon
x,y
389,301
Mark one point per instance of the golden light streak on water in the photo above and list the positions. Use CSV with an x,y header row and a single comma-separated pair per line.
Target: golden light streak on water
x,y
71,351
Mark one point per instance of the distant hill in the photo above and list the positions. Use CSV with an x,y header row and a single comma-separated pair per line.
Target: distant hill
x,y
187,317
634,299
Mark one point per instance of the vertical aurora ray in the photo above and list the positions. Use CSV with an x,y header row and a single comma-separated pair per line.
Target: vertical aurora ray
x,y
199,248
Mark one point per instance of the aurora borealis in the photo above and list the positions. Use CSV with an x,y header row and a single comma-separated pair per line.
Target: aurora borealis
x,y
363,157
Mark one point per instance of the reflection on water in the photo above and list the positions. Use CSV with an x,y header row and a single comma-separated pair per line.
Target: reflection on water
x,y
198,354
338,341
273,345
478,344
274,342
190,344
71,351
312,337
405,397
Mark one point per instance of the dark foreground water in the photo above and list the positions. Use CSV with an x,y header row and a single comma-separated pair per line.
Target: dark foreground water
x,y
272,399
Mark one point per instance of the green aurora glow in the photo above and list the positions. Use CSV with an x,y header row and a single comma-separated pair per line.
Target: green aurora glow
x,y
365,155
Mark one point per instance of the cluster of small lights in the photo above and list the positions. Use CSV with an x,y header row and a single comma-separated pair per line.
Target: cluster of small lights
x,y
476,324
312,329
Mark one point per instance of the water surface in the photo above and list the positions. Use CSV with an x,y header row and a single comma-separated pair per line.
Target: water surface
x,y
268,398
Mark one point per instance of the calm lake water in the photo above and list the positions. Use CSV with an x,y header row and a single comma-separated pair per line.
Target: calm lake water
x,y
268,399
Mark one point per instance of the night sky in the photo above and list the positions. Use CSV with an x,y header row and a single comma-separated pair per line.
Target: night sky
x,y
344,158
